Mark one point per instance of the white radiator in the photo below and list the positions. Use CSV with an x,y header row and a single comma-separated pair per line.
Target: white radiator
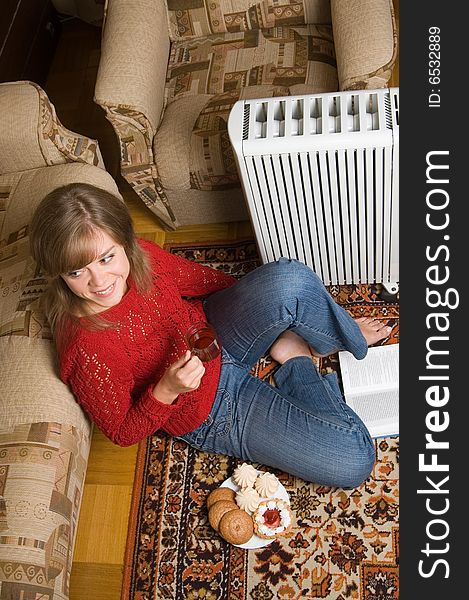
x,y
321,178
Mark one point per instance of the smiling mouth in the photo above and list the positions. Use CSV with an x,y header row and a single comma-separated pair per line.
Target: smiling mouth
x,y
106,292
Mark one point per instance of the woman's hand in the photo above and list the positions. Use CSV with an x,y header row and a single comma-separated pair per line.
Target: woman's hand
x,y
184,375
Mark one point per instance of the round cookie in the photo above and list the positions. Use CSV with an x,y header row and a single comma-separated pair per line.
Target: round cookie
x,y
221,493
218,509
236,527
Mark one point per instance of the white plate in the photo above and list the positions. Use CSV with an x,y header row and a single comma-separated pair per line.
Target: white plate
x,y
256,541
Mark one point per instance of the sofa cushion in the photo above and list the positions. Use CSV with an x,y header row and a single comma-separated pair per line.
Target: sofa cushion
x,y
173,138
198,18
195,151
282,57
30,388
20,287
21,192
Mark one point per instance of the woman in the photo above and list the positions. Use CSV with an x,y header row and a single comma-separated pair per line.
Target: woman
x,y
120,308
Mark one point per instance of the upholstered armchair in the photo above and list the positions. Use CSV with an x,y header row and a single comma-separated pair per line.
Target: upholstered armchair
x,y
44,435
170,72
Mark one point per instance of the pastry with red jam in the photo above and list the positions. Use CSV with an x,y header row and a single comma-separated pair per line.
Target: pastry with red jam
x,y
272,518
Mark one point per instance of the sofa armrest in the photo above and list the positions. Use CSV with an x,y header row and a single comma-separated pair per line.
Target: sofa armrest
x,y
40,140
134,58
130,88
138,167
45,436
365,39
45,440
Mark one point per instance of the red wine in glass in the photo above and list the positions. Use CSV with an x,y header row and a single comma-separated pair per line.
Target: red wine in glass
x,y
202,341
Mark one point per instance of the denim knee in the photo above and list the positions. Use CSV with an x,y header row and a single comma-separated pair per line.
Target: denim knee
x,y
293,267
293,275
358,467
357,459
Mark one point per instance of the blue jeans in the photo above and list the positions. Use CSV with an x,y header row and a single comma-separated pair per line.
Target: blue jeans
x,y
301,426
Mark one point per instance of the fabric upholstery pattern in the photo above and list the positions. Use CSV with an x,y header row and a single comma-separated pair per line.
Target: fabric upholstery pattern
x,y
61,145
48,142
23,190
44,434
47,462
5,195
137,162
29,363
273,62
282,57
157,56
358,68
20,287
198,18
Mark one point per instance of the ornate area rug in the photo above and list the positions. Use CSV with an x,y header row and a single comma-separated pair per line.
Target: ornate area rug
x,y
345,544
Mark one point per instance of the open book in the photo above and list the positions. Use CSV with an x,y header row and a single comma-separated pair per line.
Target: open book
x,y
371,388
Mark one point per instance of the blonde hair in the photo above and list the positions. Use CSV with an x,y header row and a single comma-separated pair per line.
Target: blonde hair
x,y
63,239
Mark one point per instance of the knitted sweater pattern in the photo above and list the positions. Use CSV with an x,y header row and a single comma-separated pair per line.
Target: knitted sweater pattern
x,y
112,371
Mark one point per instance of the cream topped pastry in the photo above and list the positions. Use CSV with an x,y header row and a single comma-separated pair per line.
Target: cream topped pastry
x,y
266,484
248,499
245,475
272,518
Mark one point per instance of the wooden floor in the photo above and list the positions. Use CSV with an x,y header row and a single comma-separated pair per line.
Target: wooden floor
x,y
99,551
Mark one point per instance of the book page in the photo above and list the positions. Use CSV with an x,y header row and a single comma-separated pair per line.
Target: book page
x,y
379,369
378,410
371,388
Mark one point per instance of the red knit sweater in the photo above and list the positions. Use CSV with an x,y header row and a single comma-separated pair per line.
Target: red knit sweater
x,y
112,371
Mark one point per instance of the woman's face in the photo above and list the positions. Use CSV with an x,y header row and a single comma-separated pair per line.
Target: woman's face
x,y
103,282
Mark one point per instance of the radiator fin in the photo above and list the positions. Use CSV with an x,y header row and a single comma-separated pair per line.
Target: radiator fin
x,y
247,111
320,174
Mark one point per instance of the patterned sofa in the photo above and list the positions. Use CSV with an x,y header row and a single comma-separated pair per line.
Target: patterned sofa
x,y
171,70
44,435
